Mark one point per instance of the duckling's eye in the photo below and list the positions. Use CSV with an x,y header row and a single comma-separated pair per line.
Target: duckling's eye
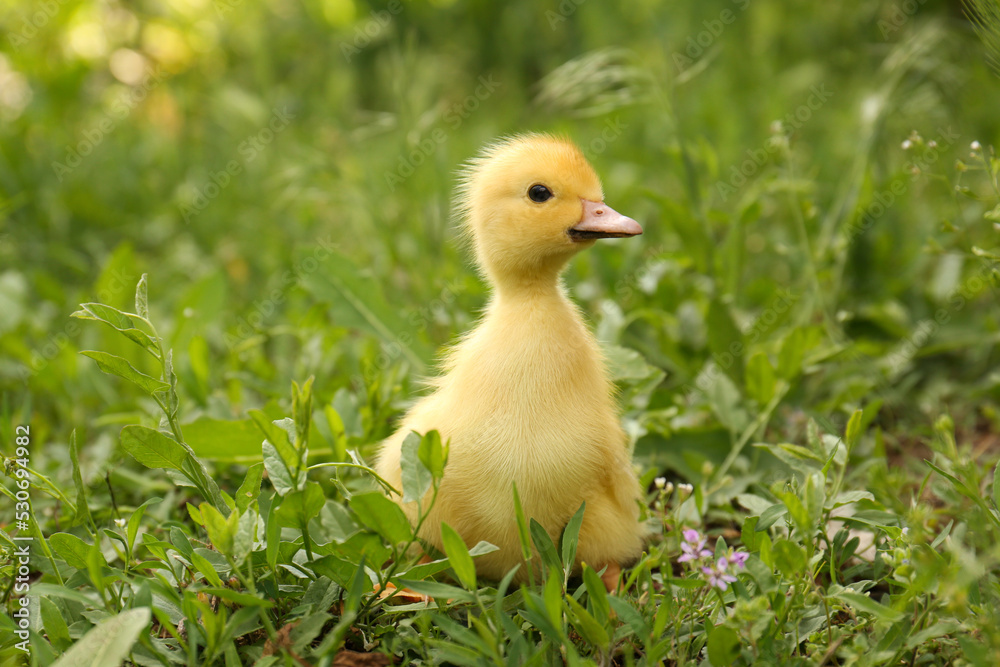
x,y
539,193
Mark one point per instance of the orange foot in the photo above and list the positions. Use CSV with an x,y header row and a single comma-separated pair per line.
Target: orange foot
x,y
610,577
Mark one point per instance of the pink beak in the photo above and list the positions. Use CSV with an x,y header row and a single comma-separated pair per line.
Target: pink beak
x,y
600,221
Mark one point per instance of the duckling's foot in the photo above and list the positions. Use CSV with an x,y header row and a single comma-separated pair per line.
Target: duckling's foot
x,y
610,577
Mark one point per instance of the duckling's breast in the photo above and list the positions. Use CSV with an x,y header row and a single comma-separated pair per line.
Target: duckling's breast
x,y
527,400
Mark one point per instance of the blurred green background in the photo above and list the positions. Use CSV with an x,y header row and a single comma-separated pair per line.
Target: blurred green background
x,y
282,171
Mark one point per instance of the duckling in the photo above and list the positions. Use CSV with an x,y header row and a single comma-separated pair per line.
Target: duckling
x,y
525,396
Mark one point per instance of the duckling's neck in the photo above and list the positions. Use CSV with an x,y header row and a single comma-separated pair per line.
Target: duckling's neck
x,y
520,288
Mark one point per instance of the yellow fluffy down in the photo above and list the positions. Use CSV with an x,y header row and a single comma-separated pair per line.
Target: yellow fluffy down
x,y
525,396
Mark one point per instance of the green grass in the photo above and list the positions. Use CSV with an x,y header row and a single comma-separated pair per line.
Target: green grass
x,y
806,333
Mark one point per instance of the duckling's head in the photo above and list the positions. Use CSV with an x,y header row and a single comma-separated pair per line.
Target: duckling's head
x,y
530,202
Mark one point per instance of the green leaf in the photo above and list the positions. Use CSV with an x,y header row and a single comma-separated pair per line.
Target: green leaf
x,y
302,415
865,604
632,619
552,596
789,558
523,533
597,593
141,300
587,625
570,538
760,378
337,569
433,454
277,471
207,570
545,547
280,433
848,497
73,550
246,532
382,515
853,431
814,495
748,534
458,554
224,440
113,365
338,433
793,351
221,530
55,625
272,532
796,457
416,477
725,341
299,507
152,448
723,645
121,322
769,516
249,490
109,642
799,513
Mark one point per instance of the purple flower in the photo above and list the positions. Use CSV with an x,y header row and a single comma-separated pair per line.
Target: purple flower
x,y
717,576
693,546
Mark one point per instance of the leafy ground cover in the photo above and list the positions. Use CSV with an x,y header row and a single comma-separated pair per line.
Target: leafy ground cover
x,y
226,262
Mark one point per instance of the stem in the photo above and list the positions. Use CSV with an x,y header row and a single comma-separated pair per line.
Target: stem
x,y
338,464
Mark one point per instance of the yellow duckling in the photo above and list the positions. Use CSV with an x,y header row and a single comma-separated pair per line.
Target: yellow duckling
x,y
525,396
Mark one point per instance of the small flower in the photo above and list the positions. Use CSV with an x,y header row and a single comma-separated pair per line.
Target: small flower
x,y
685,490
121,522
739,558
718,576
931,144
906,145
975,145
693,546
660,482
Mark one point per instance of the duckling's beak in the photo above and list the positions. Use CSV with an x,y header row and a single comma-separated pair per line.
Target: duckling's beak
x,y
600,221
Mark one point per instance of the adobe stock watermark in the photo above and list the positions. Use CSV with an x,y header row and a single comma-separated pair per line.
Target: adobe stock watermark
x,y
897,362
453,116
883,199
248,150
419,321
610,133
643,278
782,302
740,174
53,345
43,12
565,9
701,42
365,32
263,308
97,133
898,16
